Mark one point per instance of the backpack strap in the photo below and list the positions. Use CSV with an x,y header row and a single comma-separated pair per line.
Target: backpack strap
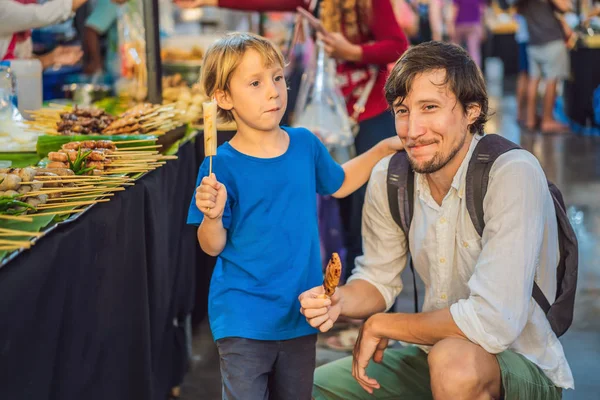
x,y
400,190
489,148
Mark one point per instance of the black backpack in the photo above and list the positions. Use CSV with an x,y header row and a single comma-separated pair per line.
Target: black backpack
x,y
400,188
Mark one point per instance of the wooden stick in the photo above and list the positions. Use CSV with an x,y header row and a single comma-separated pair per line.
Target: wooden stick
x,y
132,153
71,204
157,146
24,243
81,197
58,212
82,177
99,193
135,141
9,234
16,218
59,190
18,232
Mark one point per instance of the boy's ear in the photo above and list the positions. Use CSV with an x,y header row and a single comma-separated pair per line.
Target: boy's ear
x,y
223,100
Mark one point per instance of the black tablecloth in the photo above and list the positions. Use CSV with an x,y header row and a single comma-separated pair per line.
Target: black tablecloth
x,y
579,88
95,309
505,47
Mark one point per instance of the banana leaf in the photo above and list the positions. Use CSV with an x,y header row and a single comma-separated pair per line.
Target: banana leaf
x,y
20,160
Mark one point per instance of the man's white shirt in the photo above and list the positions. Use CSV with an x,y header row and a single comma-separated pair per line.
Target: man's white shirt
x,y
487,281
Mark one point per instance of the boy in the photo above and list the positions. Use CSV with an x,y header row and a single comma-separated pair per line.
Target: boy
x,y
260,219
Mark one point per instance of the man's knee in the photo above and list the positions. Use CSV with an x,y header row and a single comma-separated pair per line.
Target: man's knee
x,y
461,369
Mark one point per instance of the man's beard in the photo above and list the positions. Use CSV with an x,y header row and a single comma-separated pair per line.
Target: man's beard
x,y
437,162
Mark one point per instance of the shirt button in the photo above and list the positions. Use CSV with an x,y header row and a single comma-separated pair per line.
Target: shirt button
x,y
465,244
443,296
442,260
442,220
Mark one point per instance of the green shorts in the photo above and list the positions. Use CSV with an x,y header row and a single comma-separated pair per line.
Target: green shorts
x,y
404,374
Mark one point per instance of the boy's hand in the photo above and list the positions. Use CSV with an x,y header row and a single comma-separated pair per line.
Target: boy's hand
x,y
392,145
320,311
211,197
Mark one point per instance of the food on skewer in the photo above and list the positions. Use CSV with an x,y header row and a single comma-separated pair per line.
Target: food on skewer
x,y
332,275
210,130
145,118
83,121
9,181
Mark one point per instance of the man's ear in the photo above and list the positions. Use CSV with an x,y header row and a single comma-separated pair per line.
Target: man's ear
x,y
223,100
473,112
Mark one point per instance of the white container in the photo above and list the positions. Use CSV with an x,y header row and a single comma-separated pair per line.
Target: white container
x,y
29,84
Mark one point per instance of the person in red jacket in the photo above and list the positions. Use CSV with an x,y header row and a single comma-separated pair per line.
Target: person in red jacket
x,y
369,35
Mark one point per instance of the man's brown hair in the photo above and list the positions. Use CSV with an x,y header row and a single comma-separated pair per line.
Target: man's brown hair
x,y
463,77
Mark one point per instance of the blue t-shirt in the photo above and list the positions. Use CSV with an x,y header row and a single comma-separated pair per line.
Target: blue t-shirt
x,y
272,252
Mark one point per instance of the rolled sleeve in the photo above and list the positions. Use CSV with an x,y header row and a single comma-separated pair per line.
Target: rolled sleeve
x,y
18,17
497,310
384,244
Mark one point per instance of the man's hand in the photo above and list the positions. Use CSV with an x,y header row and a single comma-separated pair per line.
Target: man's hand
x,y
368,345
320,311
196,3
337,46
211,197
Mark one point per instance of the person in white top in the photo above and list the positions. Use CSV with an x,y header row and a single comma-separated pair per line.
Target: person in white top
x,y
480,335
16,17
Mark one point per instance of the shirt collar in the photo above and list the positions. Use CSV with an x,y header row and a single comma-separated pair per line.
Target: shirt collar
x,y
458,182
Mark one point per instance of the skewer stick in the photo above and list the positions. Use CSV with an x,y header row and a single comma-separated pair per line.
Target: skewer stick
x,y
132,154
71,204
22,243
135,141
82,177
91,196
9,248
98,193
140,148
20,233
58,212
16,218
9,234
60,190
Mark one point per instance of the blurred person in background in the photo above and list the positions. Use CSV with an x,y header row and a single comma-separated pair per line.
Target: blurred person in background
x,y
522,39
369,35
548,58
17,18
467,26
428,15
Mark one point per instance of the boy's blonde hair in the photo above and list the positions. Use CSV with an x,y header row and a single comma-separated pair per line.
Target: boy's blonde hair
x,y
224,56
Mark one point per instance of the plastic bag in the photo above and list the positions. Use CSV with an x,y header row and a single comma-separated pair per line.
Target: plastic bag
x,y
320,106
132,50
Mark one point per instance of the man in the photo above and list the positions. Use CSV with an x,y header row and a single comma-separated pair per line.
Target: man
x,y
480,335
548,58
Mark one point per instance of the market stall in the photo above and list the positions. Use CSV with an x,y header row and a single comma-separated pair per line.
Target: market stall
x,y
97,265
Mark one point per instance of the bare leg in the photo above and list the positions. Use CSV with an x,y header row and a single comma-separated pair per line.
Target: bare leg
x,y
549,124
532,88
522,82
